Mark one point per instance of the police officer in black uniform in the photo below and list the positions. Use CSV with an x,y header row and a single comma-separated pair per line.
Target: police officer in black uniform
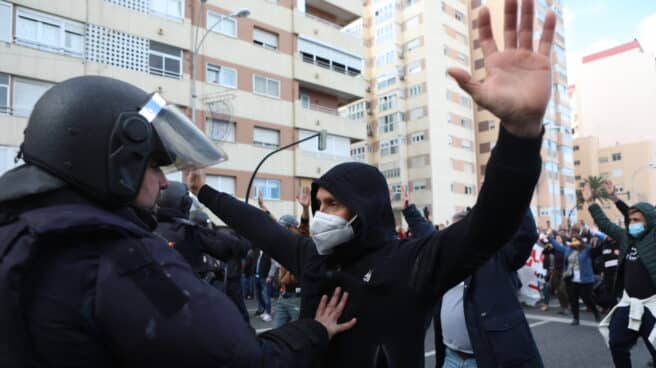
x,y
207,251
84,282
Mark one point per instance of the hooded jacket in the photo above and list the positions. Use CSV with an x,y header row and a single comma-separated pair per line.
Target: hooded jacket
x,y
393,284
645,243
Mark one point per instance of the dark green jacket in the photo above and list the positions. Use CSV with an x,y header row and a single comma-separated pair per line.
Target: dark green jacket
x,y
646,242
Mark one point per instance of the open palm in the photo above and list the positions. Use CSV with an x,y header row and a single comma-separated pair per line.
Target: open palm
x,y
517,87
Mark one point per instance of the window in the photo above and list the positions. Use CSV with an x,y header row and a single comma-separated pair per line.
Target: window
x,y
388,123
414,67
577,163
419,185
413,45
165,61
336,146
415,90
603,160
355,111
220,130
167,8
268,138
387,102
484,147
4,93
576,148
26,93
385,81
389,147
50,33
618,172
617,156
5,21
270,188
419,161
221,24
479,63
384,33
329,58
222,183
466,144
459,16
222,75
266,86
417,137
469,189
393,172
359,153
384,13
477,44
412,23
386,58
7,158
416,114
266,39
465,101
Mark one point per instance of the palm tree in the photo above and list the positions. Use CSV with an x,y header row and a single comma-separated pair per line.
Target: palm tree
x,y
597,184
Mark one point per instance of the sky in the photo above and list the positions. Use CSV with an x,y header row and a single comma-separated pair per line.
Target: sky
x,y
595,25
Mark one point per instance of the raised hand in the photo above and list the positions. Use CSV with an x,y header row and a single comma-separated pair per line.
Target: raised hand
x,y
517,85
609,187
587,193
304,198
328,313
404,197
195,180
260,201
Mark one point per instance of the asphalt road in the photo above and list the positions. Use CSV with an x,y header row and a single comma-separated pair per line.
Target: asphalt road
x,y
561,345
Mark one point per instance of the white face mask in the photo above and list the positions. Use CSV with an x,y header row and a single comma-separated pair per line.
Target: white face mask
x,y
329,231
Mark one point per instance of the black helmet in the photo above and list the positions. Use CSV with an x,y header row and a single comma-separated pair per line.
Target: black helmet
x,y
99,134
176,196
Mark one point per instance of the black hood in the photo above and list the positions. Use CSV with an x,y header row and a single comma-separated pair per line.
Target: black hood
x,y
363,189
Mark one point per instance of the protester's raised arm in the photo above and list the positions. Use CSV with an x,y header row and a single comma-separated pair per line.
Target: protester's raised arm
x,y
516,89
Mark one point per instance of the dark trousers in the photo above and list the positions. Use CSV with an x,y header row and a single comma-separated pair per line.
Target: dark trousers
x,y
584,291
621,339
558,288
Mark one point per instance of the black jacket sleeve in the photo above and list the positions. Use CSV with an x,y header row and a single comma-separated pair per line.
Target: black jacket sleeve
x,y
520,246
442,260
419,226
288,248
217,244
623,208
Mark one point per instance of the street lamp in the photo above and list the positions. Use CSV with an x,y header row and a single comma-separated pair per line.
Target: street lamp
x,y
241,13
323,136
651,165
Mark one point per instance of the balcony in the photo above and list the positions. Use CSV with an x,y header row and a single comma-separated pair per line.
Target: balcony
x,y
343,11
327,32
330,78
316,117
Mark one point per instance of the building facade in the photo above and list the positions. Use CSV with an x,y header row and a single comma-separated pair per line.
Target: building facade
x,y
420,123
555,194
631,167
288,70
614,95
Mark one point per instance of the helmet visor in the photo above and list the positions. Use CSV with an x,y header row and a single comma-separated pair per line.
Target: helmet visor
x,y
185,144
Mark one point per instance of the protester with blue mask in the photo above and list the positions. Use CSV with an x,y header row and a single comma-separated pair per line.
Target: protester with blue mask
x,y
633,316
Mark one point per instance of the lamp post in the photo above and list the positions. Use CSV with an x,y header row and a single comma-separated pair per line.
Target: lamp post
x,y
241,13
321,145
651,165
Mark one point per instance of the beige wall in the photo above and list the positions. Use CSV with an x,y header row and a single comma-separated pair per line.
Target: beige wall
x,y
615,97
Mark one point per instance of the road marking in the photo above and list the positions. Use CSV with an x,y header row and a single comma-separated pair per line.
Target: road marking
x,y
536,324
429,354
561,320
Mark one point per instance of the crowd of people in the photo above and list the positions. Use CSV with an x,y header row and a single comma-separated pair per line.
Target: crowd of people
x,y
104,262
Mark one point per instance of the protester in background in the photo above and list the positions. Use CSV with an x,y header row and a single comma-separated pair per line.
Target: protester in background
x,y
418,226
633,316
248,278
578,273
607,254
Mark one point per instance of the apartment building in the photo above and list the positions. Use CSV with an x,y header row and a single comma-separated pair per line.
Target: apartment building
x,y
631,167
555,194
419,122
288,70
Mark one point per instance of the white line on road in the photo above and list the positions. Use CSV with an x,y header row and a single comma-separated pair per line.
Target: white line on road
x,y
536,324
560,320
429,353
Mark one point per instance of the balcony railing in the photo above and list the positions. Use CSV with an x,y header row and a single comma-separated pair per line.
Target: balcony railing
x,y
330,24
319,108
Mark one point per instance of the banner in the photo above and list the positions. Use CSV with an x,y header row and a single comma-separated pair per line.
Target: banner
x,y
532,276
